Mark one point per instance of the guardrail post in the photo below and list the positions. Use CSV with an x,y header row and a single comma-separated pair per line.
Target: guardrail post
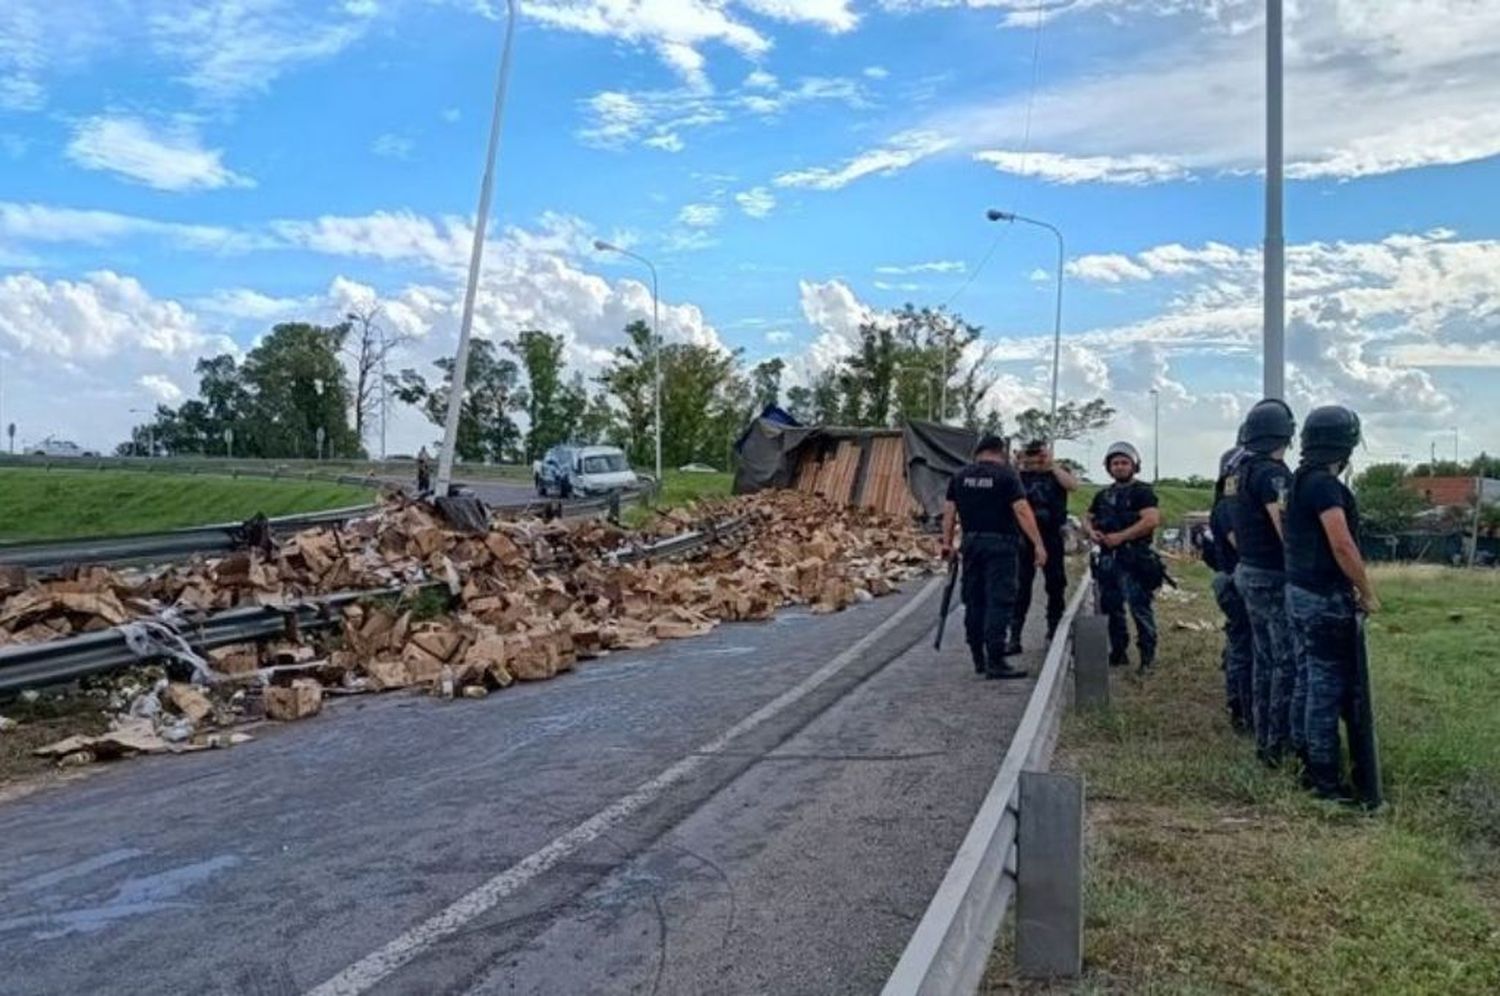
x,y
1090,662
1049,876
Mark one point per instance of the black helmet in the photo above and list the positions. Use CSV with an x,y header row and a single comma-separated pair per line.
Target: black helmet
x,y
1269,426
1329,435
992,444
1122,449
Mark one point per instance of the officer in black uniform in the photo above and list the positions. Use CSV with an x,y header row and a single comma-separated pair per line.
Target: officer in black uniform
x,y
1260,487
1326,586
1122,520
1047,486
1239,648
987,499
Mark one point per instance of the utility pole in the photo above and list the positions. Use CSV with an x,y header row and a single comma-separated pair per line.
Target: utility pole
x,y
1478,510
1275,247
1432,461
1155,435
1455,444
466,325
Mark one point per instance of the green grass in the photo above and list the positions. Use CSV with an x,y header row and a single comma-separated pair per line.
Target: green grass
x,y
1207,873
1176,501
57,504
679,488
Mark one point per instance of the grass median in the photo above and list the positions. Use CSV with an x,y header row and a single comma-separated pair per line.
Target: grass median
x,y
60,504
1207,873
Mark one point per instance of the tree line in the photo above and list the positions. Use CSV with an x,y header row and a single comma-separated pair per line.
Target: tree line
x,y
308,390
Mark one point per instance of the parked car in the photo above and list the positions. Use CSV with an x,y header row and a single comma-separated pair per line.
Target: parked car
x,y
566,471
50,447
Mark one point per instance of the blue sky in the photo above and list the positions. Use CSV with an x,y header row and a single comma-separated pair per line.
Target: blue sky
x,y
180,175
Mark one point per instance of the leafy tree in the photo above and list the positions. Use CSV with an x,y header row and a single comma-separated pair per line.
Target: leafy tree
x,y
553,406
1441,468
799,401
599,422
703,403
826,405
766,378
1485,465
1072,421
870,375
486,430
1386,504
297,385
630,381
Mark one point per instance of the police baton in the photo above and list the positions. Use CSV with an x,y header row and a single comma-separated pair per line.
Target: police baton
x,y
1364,751
947,603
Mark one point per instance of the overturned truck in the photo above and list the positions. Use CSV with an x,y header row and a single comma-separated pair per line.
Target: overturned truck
x,y
902,472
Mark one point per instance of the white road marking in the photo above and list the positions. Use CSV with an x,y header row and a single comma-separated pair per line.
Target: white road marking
x,y
374,968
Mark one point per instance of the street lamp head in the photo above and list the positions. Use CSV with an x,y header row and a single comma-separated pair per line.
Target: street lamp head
x,y
603,246
995,214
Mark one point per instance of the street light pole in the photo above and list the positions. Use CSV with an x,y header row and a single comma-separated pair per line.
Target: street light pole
x,y
1155,435
995,215
1275,248
603,246
476,257
1455,444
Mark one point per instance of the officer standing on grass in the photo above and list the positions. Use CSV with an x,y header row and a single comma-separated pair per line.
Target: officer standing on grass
x,y
1122,520
987,499
1326,586
1259,488
1047,486
1220,555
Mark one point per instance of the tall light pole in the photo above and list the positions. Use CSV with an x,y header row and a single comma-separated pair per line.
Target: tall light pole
x,y
603,246
995,215
1455,444
476,256
1275,248
1155,435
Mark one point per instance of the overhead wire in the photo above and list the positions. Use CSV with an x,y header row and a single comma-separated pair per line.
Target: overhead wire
x,y
1036,50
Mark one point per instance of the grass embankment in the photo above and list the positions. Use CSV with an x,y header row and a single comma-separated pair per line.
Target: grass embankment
x,y
679,488
1176,502
56,504
1207,873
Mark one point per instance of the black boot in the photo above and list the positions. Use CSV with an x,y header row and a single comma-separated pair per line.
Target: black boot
x,y
1013,647
1117,658
978,654
1148,663
1051,629
1000,667
1323,781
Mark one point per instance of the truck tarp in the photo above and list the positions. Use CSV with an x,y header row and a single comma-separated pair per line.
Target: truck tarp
x,y
769,454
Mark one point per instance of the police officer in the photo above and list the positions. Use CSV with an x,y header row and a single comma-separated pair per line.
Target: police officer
x,y
986,497
1047,486
1122,520
1259,489
1326,585
1220,555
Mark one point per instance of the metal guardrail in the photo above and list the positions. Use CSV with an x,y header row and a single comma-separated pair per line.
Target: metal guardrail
x,y
953,942
70,658
52,555
352,472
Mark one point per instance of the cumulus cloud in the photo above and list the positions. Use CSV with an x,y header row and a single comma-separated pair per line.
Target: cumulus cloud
x,y
1135,170
699,215
757,202
167,158
161,388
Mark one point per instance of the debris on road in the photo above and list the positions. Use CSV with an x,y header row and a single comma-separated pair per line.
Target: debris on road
x,y
524,602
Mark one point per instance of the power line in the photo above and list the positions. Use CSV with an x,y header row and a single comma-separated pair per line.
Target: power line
x,y
1036,52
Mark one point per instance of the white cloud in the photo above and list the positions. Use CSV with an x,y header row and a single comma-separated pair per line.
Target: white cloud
x,y
1451,355
759,79
34,224
899,153
451,115
666,142
937,266
833,15
170,158
877,72
699,215
251,305
757,202
93,318
161,387
1374,88
393,146
778,337
1055,168
1107,268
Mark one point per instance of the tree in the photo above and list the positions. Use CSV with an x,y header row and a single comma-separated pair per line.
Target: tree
x,y
1485,465
1386,504
799,401
297,385
827,398
869,377
1441,468
599,422
486,431
703,403
630,381
766,378
369,346
553,406
1072,420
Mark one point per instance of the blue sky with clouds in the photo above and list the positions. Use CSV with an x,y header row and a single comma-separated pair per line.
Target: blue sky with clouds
x,y
181,174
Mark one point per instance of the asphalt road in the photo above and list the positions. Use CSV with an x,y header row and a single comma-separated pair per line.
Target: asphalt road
x,y
763,810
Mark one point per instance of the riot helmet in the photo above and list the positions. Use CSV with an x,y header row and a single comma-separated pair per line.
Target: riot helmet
x,y
1268,427
1329,435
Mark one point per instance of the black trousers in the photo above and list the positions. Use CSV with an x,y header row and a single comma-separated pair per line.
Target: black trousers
x,y
1054,579
989,592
